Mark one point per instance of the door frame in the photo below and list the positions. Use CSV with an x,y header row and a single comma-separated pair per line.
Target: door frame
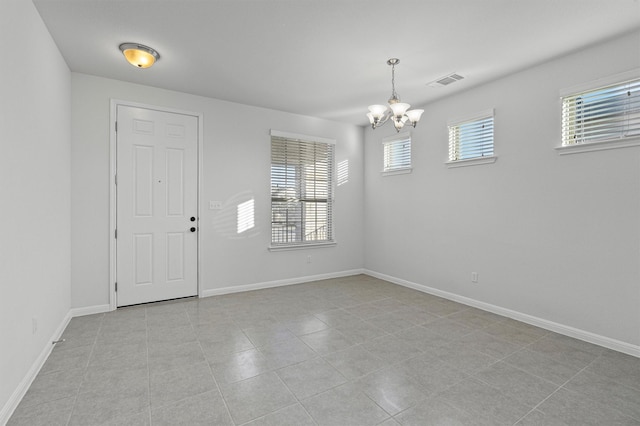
x,y
113,207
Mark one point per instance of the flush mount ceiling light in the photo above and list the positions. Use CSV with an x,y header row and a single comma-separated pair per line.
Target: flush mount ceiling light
x,y
399,113
138,55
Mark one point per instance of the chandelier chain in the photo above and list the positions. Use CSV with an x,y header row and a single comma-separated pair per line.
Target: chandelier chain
x,y
393,81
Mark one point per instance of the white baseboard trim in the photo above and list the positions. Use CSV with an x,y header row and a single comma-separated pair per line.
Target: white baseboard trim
x,y
279,283
90,310
566,330
28,379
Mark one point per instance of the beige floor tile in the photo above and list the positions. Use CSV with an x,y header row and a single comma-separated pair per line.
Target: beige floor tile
x,y
339,351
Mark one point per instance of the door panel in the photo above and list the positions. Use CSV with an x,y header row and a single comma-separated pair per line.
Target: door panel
x,y
157,172
143,180
175,182
143,259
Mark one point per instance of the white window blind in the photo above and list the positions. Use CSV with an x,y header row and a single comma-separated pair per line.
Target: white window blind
x,y
302,174
605,113
471,139
397,153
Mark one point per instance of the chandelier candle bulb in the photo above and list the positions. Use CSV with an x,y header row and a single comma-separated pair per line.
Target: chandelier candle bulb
x,y
414,116
399,109
378,110
376,113
370,117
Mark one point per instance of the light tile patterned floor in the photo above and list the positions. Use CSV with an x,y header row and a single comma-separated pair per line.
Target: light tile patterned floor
x,y
349,351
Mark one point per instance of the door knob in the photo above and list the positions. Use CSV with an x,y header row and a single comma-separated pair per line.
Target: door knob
x,y
193,219
193,229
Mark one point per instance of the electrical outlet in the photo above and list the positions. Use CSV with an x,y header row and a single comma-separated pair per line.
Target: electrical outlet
x,y
34,325
215,205
474,277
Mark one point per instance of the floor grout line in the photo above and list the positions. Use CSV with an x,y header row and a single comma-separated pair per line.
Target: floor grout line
x,y
267,311
75,400
148,367
224,401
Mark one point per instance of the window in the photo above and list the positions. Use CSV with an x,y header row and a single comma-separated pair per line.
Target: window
x,y
607,113
302,173
472,138
397,154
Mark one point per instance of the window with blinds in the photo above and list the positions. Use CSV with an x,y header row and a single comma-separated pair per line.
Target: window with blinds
x,y
302,174
471,139
397,153
603,114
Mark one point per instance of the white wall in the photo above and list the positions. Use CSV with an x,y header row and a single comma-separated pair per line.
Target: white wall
x,y
236,164
555,237
34,192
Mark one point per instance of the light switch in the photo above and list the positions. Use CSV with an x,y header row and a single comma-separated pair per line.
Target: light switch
x,y
215,205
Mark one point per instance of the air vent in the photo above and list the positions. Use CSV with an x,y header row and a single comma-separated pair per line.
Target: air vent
x,y
446,80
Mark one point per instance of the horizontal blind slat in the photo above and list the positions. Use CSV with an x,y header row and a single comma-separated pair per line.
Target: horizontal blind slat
x,y
604,113
471,139
301,191
397,154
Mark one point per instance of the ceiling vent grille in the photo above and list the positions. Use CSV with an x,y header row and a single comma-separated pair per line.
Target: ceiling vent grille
x,y
446,80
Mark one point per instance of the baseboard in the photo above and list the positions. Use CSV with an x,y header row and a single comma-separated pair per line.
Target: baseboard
x,y
566,330
279,283
28,379
90,310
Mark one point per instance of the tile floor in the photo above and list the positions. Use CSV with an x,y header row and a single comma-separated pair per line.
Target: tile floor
x,y
349,351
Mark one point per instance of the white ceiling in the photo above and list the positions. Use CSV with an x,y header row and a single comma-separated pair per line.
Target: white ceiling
x,y
327,58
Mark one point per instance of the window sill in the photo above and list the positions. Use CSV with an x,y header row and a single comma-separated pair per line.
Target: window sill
x,y
599,146
396,172
302,246
471,162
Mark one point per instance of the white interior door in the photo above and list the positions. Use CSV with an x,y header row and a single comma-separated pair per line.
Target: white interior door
x,y
157,204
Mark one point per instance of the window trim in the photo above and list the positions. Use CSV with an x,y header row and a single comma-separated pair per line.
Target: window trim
x,y
300,137
296,137
604,144
472,161
294,246
397,170
476,160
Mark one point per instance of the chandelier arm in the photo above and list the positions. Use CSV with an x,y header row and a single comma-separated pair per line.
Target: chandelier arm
x,y
384,119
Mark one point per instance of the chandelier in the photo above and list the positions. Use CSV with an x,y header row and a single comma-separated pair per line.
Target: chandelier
x,y
399,113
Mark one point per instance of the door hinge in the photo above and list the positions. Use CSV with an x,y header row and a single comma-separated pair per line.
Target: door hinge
x,y
115,234
116,287
116,126
115,179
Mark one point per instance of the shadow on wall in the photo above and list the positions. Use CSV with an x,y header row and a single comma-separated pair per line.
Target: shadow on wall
x,y
236,218
343,172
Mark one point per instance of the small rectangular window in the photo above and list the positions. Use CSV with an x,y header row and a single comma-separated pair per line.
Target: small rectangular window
x,y
608,113
470,139
302,180
397,153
